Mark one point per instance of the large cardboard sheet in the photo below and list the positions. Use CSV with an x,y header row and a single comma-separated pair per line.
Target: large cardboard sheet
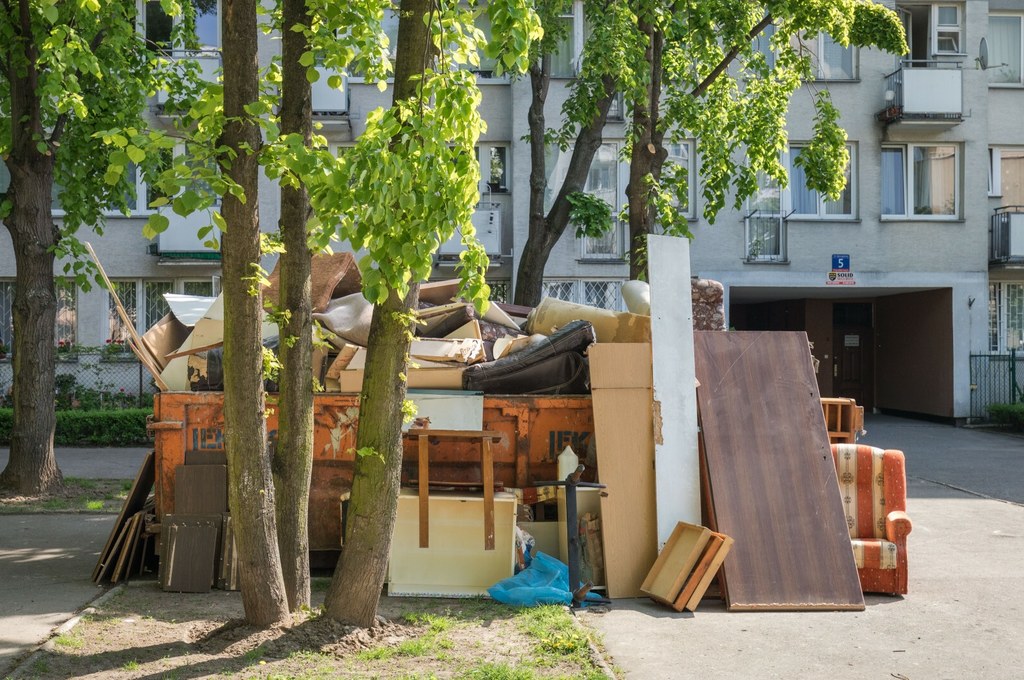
x,y
770,473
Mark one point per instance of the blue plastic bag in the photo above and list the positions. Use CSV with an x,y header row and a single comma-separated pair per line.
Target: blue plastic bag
x,y
545,581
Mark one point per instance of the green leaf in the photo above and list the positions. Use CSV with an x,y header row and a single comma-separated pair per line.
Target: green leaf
x,y
156,224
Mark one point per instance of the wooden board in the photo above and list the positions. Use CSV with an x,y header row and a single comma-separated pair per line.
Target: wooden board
x,y
189,552
201,489
773,484
675,562
625,462
675,399
704,573
134,502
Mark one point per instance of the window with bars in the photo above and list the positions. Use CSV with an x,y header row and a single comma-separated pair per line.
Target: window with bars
x,y
66,327
501,291
1006,316
606,294
144,303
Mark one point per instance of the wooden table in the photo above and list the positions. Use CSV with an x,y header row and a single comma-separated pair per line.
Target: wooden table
x,y
486,476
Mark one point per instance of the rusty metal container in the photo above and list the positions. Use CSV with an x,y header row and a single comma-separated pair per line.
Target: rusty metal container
x,y
534,431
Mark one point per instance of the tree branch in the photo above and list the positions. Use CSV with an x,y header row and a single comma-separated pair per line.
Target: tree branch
x,y
729,58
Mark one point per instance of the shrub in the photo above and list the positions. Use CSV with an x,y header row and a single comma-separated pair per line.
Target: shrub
x,y
126,427
1008,414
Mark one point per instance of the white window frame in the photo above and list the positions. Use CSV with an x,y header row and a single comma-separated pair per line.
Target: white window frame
x,y
578,37
618,234
957,29
690,212
821,214
908,185
995,169
819,59
1020,56
1000,315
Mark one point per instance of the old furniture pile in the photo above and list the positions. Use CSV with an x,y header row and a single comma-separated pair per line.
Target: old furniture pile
x,y
501,396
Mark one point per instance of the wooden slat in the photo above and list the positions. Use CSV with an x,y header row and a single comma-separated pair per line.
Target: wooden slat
x,y
771,474
106,568
704,572
134,502
487,473
424,490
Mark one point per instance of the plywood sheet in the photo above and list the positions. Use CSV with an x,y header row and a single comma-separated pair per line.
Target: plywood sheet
x,y
770,473
675,399
625,461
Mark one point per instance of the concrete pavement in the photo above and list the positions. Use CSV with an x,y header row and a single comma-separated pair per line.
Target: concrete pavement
x,y
94,463
45,565
963,617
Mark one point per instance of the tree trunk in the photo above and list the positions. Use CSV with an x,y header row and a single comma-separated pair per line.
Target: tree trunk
x,y
355,589
293,458
647,157
546,230
32,467
250,486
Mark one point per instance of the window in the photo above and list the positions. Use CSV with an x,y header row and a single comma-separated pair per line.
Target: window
x,y
143,301
1006,175
493,167
606,294
946,29
159,25
763,44
765,226
570,46
1006,316
834,62
603,183
1004,49
681,167
6,313
66,327
920,181
808,203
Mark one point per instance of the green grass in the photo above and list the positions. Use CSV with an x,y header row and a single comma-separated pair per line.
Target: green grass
x,y
431,643
94,505
78,495
559,638
497,671
131,665
69,641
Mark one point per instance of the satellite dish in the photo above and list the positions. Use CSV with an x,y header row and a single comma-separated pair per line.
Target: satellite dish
x,y
983,55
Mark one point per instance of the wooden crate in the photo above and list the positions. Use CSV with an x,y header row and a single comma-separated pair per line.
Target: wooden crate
x,y
843,418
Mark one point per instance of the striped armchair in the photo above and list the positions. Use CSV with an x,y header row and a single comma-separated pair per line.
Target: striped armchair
x,y
873,486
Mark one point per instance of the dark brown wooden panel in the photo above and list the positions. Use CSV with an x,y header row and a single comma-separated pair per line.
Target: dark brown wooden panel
x,y
772,481
201,489
189,551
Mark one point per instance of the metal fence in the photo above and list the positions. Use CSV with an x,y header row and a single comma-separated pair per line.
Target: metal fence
x,y
995,379
92,380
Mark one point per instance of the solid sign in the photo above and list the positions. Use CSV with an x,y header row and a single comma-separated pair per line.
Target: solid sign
x,y
841,279
840,263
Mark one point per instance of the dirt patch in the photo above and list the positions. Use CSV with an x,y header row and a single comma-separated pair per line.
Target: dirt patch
x,y
78,495
144,632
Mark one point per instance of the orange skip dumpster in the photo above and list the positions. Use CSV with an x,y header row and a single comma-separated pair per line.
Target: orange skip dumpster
x,y
534,430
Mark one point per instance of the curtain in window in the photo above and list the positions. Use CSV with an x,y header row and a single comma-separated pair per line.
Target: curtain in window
x,y
805,201
844,204
1004,49
603,183
563,60
156,306
126,292
893,182
1011,176
67,311
768,199
934,180
835,61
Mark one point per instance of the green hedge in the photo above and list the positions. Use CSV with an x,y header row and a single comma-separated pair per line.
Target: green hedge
x,y
1008,414
126,427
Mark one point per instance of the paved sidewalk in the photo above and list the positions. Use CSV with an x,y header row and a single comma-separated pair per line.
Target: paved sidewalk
x,y
45,563
963,617
94,463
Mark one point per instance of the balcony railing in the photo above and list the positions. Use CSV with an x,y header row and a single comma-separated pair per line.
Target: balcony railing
x,y
765,238
1006,235
923,91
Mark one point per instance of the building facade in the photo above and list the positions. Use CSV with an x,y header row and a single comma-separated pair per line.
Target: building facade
x,y
898,283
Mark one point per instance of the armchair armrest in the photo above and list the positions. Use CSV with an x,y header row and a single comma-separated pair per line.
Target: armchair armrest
x,y
897,526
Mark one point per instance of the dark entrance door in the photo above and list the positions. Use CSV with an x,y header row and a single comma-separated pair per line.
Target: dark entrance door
x,y
853,352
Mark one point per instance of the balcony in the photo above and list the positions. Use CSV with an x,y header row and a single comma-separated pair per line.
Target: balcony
x,y
487,222
180,243
329,101
924,93
765,238
1006,236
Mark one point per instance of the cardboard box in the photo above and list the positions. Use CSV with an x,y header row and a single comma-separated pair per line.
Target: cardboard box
x,y
620,365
